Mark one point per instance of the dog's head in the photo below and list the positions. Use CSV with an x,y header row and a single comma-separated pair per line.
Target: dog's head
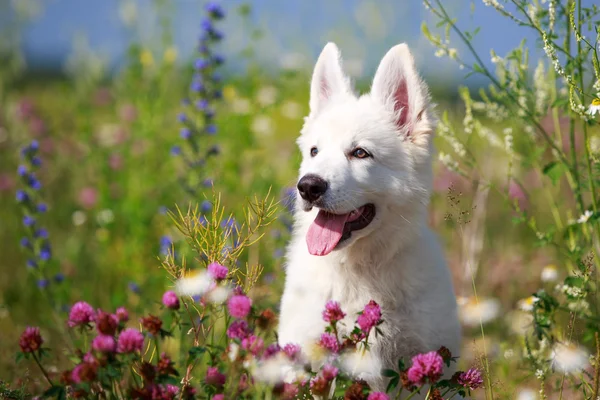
x,y
365,159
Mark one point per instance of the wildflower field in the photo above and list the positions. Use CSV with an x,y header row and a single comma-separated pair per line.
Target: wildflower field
x,y
145,211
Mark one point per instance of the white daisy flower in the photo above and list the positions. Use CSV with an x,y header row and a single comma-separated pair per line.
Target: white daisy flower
x,y
472,312
195,284
585,217
569,357
594,107
527,303
549,273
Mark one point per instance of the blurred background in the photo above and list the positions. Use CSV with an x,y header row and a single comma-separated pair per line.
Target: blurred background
x,y
106,88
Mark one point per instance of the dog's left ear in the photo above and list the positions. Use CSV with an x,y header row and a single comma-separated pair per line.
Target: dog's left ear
x,y
399,88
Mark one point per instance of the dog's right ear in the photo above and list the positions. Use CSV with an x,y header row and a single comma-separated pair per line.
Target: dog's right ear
x,y
328,80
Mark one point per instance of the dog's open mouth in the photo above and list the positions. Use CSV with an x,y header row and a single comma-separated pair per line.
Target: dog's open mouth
x,y
329,230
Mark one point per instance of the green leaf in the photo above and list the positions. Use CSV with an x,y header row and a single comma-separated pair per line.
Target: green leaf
x,y
56,392
554,171
389,373
401,365
196,352
393,384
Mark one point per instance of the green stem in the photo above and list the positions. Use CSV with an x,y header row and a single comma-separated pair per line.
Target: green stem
x,y
37,361
414,393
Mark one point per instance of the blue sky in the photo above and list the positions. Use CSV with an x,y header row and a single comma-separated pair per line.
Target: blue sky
x,y
363,29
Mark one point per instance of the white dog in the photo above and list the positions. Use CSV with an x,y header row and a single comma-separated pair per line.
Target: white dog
x,y
361,227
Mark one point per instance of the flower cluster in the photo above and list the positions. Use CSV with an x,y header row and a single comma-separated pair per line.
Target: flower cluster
x,y
197,120
35,241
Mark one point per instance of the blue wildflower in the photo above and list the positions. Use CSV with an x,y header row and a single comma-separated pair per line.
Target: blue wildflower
x,y
181,117
201,63
205,206
58,278
162,210
175,150
215,10
218,59
35,161
208,182
202,104
22,170
211,129
25,242
43,283
31,264
185,133
41,233
22,196
197,86
33,182
134,287
42,208
28,220
45,252
278,253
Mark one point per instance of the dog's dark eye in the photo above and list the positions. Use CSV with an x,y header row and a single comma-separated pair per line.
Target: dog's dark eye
x,y
360,153
314,151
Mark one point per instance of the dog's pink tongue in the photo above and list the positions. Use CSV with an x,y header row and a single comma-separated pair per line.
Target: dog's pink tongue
x,y
325,233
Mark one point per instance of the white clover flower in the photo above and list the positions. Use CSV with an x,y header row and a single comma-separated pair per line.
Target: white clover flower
x,y
291,110
266,96
262,126
585,217
241,106
105,217
509,353
195,284
448,162
473,312
549,273
440,53
219,294
594,107
452,53
527,303
78,218
273,370
232,351
580,306
569,357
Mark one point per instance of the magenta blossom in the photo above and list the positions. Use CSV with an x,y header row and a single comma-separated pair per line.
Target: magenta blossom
x,y
31,340
239,306
130,341
122,314
333,312
253,344
470,379
427,366
329,341
214,377
292,350
81,314
378,396
329,372
370,316
219,396
217,271
104,344
271,350
170,300
238,329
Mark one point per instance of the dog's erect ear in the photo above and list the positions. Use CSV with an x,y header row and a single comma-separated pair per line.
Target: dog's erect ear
x,y
399,88
328,80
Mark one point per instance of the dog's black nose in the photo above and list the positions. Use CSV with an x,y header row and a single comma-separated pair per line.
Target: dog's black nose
x,y
312,187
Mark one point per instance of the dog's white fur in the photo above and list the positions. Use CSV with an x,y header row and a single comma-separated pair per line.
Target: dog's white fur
x,y
396,260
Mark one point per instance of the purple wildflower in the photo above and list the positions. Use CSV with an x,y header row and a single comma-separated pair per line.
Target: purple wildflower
x,y
81,314
130,341
426,367
471,379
